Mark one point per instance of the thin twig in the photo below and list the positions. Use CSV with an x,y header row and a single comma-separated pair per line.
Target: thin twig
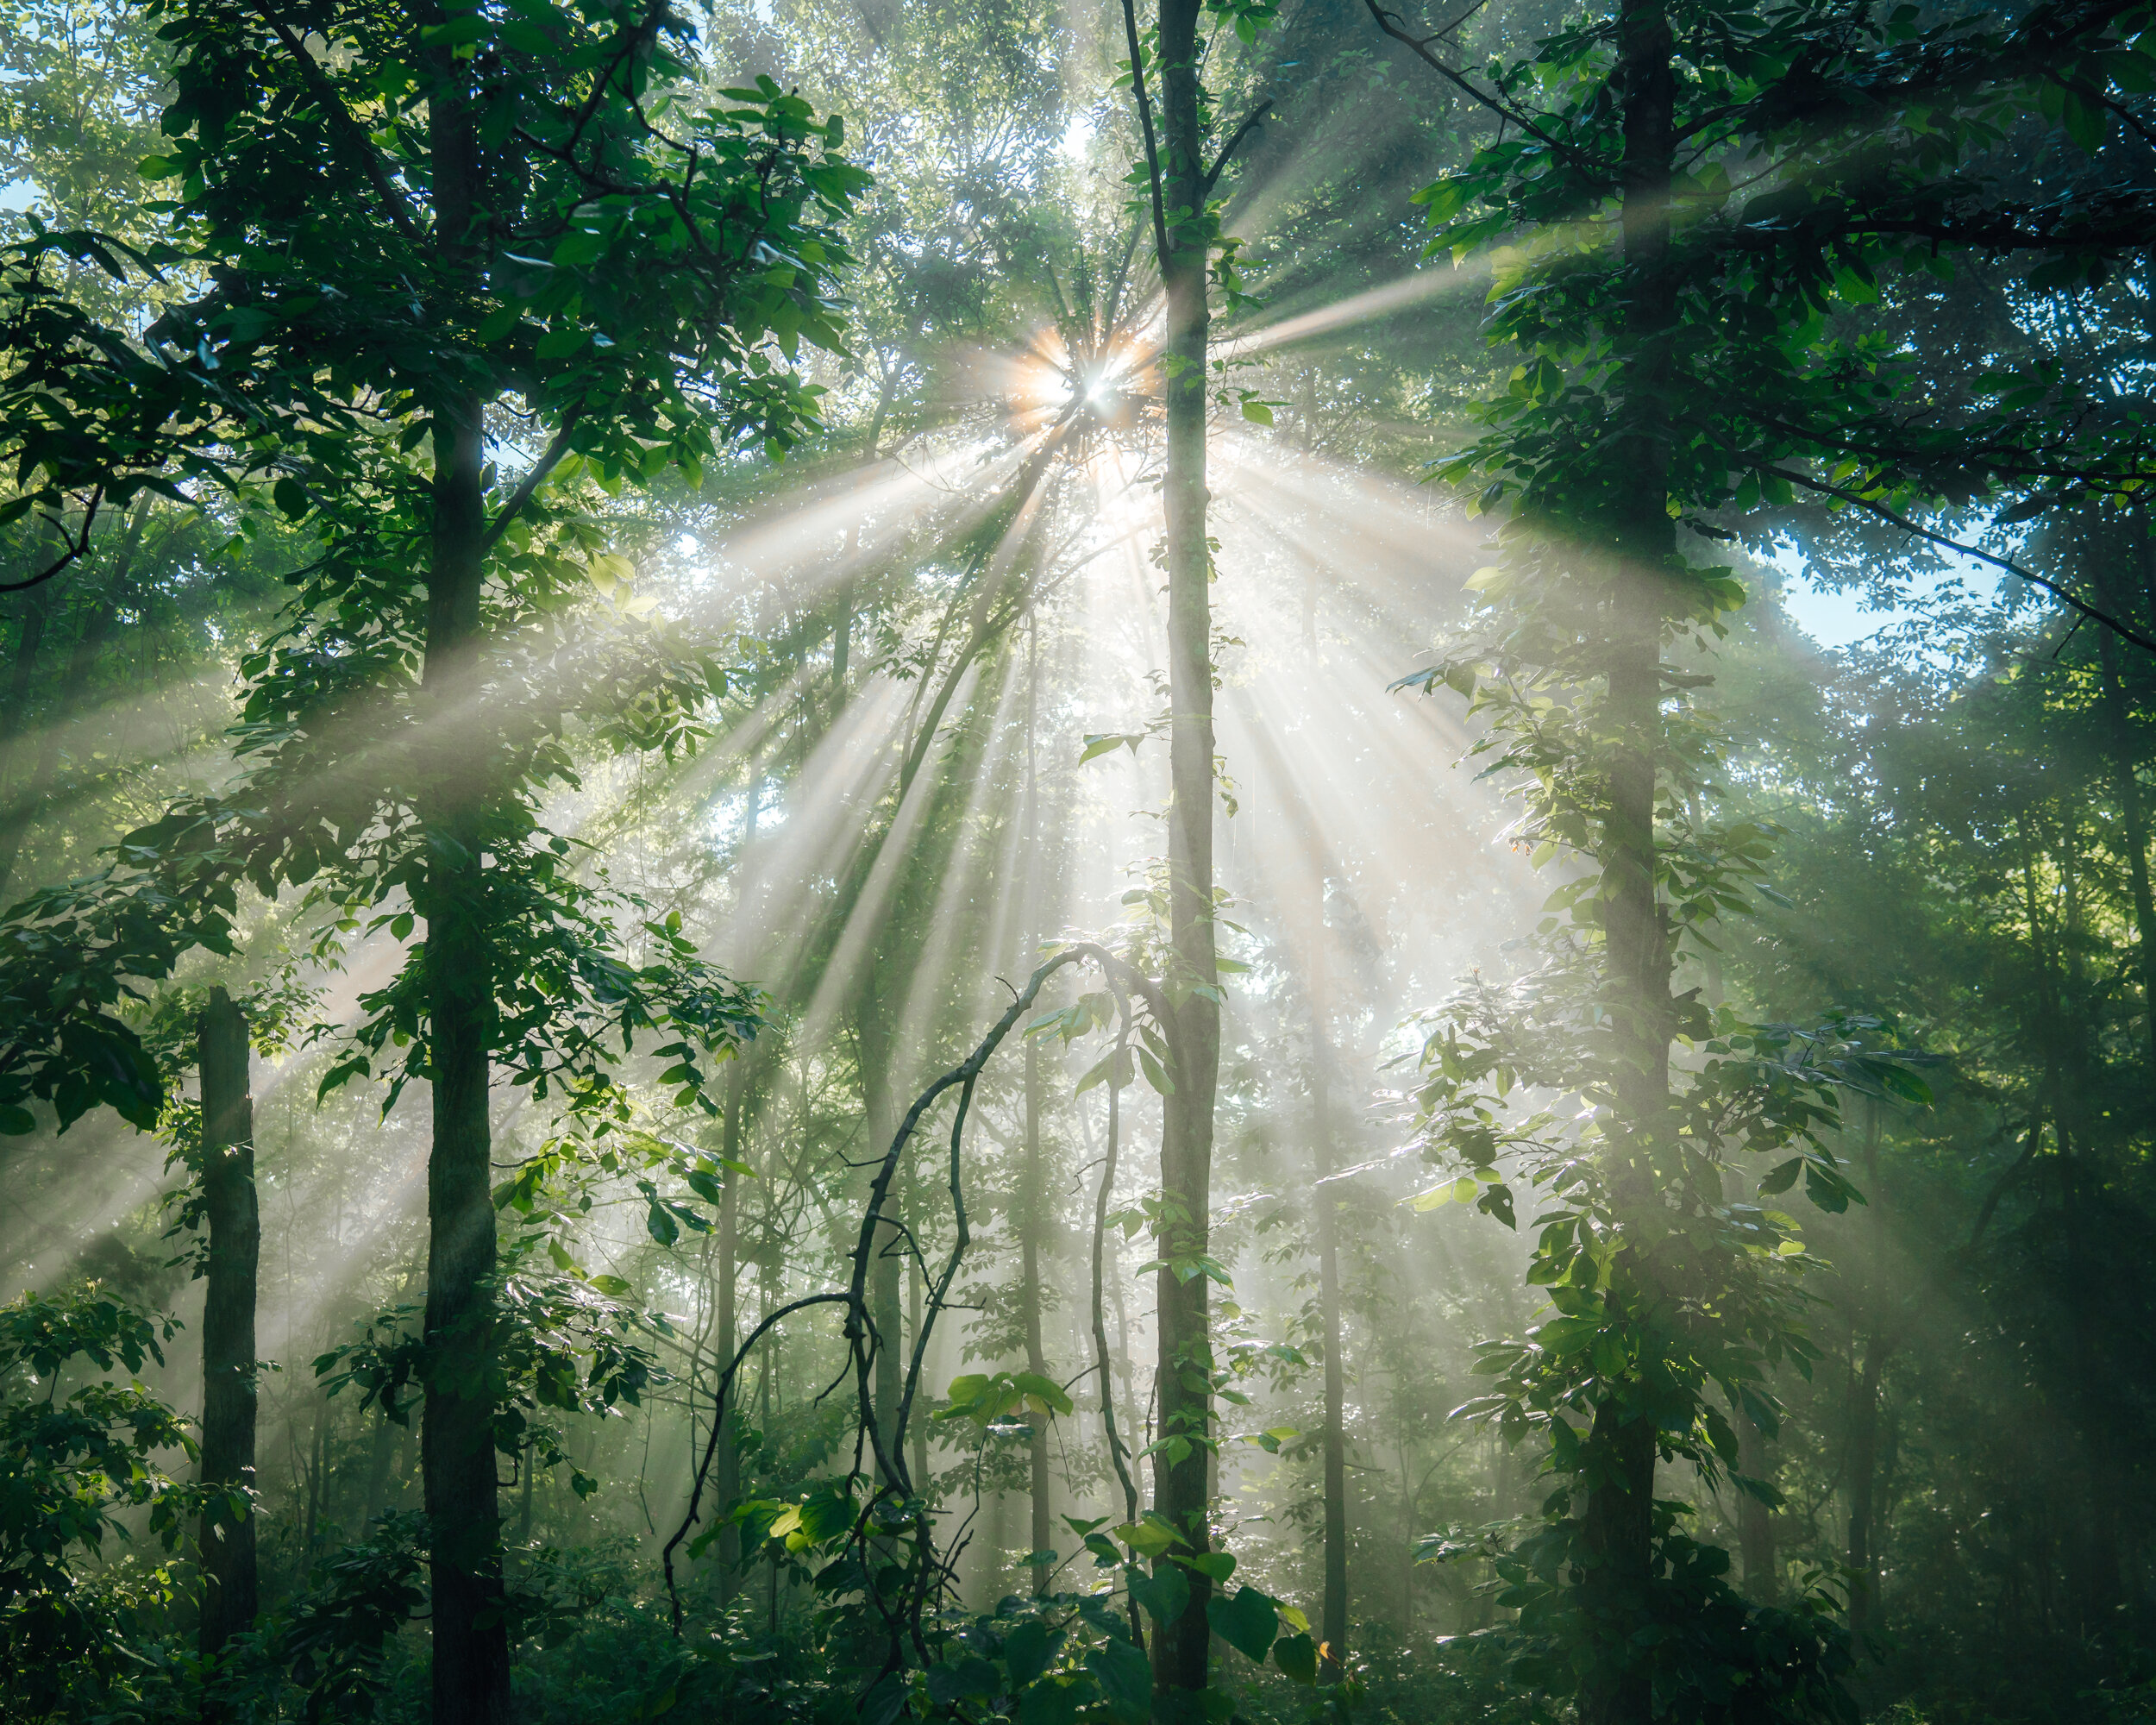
x,y
719,1426
349,130
532,480
78,548
1228,149
1146,125
2125,631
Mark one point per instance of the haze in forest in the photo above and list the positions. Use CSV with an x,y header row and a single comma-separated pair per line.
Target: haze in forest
x,y
1204,861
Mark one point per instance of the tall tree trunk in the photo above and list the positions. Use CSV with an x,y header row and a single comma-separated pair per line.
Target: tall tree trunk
x,y
843,631
471,1643
1333,1614
2126,786
1032,1208
726,1474
1180,1651
1881,1337
916,1429
1755,1521
1030,1221
887,1271
233,1260
1863,1464
471,1681
1620,1510
1332,1625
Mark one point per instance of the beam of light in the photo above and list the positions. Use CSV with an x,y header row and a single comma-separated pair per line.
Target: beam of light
x,y
866,918
825,815
1357,308
811,539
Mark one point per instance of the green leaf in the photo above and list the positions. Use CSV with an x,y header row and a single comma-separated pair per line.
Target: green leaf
x,y
1297,1657
1026,1651
1154,1075
1052,1702
1165,1594
473,26
1781,1179
1104,743
1246,1622
1125,1676
1149,1538
1044,1389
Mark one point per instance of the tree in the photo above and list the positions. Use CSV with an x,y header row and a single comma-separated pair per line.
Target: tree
x,y
232,1257
418,229
1676,363
1177,199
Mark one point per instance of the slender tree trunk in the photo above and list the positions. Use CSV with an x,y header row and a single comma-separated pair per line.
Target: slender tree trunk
x,y
470,1645
1180,1651
1333,1614
726,1474
2133,812
318,1479
2098,1584
228,1321
916,1429
1864,1464
842,636
1755,1521
1032,1208
887,1271
1030,1223
1332,1625
470,1678
1619,1511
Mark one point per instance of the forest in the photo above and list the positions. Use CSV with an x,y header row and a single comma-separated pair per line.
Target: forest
x,y
1172,862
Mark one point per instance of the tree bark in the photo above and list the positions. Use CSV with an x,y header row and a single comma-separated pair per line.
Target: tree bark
x,y
1031,1207
471,1645
1618,1531
726,1473
1030,1221
1181,1651
842,636
1755,1521
227,1545
887,1271
1620,1512
2133,812
1864,1464
470,1678
1332,1614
